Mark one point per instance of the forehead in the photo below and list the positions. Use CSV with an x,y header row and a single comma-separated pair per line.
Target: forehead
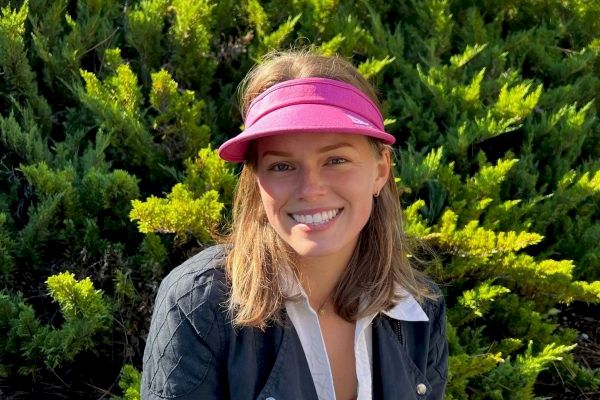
x,y
310,142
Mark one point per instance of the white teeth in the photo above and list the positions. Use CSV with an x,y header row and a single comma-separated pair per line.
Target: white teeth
x,y
318,218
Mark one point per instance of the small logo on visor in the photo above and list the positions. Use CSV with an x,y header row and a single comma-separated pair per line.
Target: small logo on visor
x,y
358,121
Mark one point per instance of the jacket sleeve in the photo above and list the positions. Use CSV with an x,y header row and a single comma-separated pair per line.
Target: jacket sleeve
x,y
183,352
437,362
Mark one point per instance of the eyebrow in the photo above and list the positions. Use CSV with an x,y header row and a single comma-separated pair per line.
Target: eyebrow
x,y
324,149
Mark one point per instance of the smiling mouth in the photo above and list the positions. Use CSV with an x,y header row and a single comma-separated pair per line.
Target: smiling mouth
x,y
316,218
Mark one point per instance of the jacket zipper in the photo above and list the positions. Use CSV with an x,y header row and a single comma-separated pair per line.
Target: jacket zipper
x,y
399,332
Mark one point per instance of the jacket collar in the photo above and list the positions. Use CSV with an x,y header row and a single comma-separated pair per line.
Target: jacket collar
x,y
407,309
290,376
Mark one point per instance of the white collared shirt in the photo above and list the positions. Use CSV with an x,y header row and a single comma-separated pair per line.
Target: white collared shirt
x,y
306,322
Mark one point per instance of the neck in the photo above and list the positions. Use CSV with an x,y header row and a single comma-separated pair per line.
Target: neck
x,y
319,277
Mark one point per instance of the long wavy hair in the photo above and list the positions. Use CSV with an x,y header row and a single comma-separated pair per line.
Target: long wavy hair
x,y
254,265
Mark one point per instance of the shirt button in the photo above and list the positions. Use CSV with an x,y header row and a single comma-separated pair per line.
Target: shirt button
x,y
270,398
421,389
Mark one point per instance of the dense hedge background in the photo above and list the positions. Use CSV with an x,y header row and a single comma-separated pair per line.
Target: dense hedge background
x,y
109,112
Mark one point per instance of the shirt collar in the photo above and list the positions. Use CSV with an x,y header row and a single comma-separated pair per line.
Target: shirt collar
x,y
407,309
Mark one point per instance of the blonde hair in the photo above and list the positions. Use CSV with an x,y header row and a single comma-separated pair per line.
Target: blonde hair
x,y
380,259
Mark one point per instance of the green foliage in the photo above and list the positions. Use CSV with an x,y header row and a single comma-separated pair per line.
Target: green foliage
x,y
145,23
414,223
130,383
27,143
34,236
475,302
85,312
104,104
519,382
274,39
12,49
317,13
17,74
474,240
116,105
108,191
372,67
179,213
179,117
192,209
190,35
154,256
460,60
77,299
18,325
268,38
463,367
6,259
257,16
207,172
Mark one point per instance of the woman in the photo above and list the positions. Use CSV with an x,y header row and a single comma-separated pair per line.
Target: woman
x,y
313,297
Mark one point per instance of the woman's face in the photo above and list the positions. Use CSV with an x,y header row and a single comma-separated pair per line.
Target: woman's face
x,y
317,189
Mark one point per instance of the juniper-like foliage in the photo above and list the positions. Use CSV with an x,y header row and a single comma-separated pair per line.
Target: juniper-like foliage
x,y
110,113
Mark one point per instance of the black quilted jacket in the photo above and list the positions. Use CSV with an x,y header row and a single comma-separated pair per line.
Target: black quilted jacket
x,y
193,352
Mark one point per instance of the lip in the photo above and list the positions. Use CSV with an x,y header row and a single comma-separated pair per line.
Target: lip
x,y
318,227
315,210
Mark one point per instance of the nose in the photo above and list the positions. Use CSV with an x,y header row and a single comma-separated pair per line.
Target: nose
x,y
310,183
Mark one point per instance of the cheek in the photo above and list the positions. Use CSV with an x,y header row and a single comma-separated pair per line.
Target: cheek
x,y
271,196
365,203
358,187
361,198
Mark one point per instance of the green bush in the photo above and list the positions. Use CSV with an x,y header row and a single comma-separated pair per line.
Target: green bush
x,y
110,111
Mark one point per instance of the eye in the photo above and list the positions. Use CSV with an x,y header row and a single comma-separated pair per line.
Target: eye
x,y
337,160
280,167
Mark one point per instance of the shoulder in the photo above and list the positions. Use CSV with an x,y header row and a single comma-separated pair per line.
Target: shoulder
x,y
201,278
192,295
437,356
185,340
207,263
435,308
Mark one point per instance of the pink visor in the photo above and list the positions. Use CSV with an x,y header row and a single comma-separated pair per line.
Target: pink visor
x,y
307,105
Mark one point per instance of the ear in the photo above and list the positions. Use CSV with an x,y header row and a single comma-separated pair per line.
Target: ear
x,y
383,165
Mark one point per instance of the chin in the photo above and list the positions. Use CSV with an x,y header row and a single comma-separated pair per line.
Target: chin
x,y
315,249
